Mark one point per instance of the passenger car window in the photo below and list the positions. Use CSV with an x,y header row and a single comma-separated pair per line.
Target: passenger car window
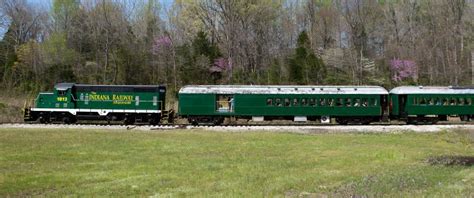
x,y
453,101
339,102
422,101
364,102
331,102
312,102
304,102
429,101
287,102
295,102
357,102
322,102
461,101
278,102
445,101
372,102
348,102
269,102
468,101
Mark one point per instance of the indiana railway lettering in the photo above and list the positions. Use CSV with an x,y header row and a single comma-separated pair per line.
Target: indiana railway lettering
x,y
116,99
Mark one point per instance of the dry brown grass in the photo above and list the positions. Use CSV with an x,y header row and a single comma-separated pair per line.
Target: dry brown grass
x,y
11,106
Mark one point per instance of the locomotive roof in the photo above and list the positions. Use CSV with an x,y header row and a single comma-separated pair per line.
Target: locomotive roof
x,y
65,86
282,89
432,90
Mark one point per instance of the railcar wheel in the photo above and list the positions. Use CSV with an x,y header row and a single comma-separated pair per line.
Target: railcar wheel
x,y
464,118
218,121
342,121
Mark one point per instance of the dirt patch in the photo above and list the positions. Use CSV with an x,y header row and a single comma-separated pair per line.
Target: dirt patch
x,y
447,160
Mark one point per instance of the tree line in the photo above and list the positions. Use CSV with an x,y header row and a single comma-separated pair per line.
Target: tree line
x,y
358,42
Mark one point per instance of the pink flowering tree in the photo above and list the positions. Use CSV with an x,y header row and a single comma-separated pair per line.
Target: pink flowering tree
x,y
403,69
222,63
161,43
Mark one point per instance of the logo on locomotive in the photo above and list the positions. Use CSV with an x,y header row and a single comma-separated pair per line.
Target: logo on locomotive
x,y
116,99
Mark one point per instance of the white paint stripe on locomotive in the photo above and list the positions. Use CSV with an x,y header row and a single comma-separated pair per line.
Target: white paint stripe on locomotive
x,y
102,112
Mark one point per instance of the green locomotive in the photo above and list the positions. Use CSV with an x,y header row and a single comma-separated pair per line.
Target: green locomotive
x,y
128,103
348,104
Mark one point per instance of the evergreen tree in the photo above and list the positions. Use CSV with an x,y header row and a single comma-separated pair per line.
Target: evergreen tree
x,y
305,67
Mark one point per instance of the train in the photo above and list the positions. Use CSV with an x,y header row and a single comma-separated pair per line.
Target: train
x,y
213,104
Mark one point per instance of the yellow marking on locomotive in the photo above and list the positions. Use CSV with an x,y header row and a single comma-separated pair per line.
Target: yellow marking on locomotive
x,y
97,97
61,99
122,99
116,99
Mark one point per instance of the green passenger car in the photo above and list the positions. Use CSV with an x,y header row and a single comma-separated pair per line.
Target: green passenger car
x,y
70,102
348,104
416,104
431,104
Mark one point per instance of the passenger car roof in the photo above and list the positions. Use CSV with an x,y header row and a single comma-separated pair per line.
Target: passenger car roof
x,y
281,89
431,90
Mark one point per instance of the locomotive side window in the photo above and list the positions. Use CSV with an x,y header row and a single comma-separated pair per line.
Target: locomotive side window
x,y
269,102
61,93
287,102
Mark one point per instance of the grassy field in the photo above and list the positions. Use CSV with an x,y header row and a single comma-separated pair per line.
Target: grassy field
x,y
251,164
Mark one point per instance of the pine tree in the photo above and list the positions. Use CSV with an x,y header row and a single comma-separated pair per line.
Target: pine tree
x,y
305,67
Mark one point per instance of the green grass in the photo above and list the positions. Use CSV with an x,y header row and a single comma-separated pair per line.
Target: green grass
x,y
199,163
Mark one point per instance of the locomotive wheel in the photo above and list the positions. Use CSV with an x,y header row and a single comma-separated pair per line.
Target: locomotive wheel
x,y
154,121
43,120
67,120
129,120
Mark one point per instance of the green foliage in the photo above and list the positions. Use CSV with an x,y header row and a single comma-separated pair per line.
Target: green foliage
x,y
63,11
305,67
196,60
275,73
202,46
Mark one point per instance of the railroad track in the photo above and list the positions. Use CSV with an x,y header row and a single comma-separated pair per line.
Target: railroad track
x,y
305,128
